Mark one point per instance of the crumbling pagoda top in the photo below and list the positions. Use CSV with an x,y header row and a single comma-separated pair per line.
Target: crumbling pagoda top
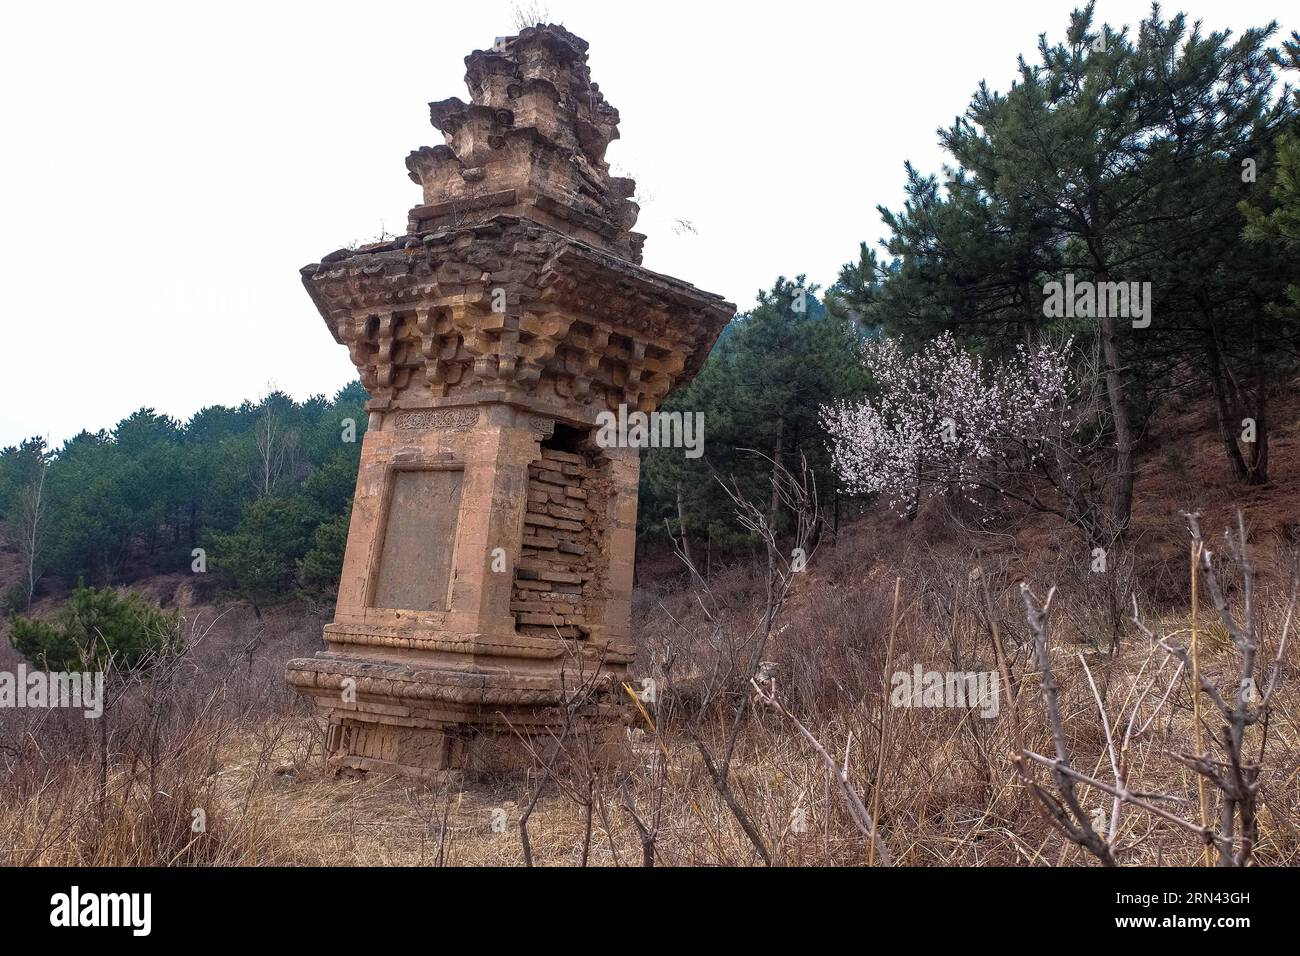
x,y
531,142
519,278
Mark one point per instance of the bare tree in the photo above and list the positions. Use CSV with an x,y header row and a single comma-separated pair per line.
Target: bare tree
x,y
863,819
572,755
1065,812
1234,774
276,447
27,526
735,654
647,820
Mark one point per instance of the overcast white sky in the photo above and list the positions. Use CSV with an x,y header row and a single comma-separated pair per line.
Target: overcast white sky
x,y
169,167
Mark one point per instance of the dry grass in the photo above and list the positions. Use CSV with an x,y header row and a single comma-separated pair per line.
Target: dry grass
x,y
231,741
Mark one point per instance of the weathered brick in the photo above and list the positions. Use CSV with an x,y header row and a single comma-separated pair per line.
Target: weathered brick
x,y
543,619
555,454
564,577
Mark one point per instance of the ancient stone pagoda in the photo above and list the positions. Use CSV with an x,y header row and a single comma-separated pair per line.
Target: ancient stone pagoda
x,y
488,571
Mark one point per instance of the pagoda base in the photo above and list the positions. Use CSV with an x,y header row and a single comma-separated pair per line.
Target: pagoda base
x,y
448,722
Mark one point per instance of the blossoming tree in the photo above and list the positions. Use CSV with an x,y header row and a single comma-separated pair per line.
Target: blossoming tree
x,y
943,420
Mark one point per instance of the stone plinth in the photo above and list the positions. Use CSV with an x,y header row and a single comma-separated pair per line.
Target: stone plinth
x,y
488,570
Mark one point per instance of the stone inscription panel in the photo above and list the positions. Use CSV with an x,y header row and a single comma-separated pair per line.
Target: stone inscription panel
x,y
419,535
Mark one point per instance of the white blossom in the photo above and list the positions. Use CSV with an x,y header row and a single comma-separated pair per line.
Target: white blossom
x,y
939,417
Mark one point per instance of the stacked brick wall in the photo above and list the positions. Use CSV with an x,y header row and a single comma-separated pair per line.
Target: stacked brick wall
x,y
555,578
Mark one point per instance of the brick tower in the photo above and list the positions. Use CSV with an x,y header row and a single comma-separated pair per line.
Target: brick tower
x,y
488,568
